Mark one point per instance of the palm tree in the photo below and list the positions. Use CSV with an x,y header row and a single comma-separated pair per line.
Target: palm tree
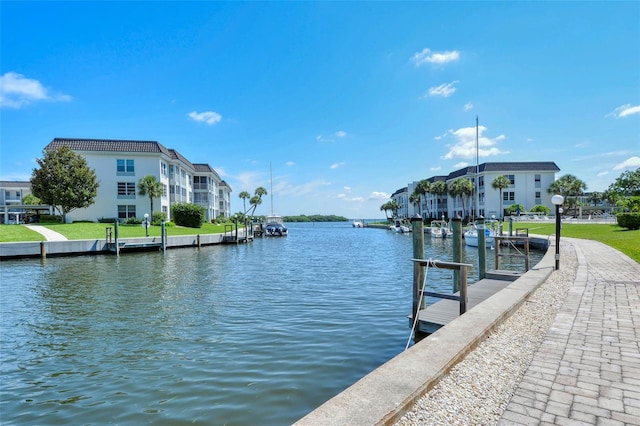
x,y
150,186
440,189
569,187
394,206
463,188
414,198
386,207
500,183
244,195
422,188
256,200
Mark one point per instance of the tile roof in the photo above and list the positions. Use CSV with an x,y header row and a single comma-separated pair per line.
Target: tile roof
x,y
109,145
14,184
517,166
205,168
177,156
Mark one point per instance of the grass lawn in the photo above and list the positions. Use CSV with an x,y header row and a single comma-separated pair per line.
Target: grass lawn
x,y
90,231
17,233
626,241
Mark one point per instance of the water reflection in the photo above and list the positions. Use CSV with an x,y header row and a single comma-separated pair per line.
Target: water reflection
x,y
259,333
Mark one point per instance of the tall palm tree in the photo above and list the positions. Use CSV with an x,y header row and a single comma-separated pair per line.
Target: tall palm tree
x,y
463,188
422,188
500,183
569,187
414,198
440,189
244,195
256,200
150,186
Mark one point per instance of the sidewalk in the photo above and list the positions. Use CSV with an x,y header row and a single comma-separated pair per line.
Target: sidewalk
x,y
587,369
47,233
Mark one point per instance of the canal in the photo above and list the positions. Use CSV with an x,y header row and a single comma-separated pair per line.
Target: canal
x,y
258,333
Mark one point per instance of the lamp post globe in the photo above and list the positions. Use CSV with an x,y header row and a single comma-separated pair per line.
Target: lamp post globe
x,y
557,200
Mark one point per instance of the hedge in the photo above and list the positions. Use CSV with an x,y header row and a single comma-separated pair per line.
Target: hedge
x,y
629,220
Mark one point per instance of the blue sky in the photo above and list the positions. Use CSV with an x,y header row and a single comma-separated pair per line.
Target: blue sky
x,y
348,101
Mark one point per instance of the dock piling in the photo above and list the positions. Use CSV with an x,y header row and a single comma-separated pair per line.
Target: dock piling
x,y
482,249
457,250
418,272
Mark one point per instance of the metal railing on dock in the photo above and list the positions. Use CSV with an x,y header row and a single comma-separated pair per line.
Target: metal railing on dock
x,y
512,242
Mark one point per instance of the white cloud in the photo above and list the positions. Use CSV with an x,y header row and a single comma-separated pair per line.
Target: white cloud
x,y
338,134
444,90
435,169
347,189
427,56
379,196
624,111
337,165
290,163
17,91
468,106
602,173
350,199
460,165
465,145
208,117
629,163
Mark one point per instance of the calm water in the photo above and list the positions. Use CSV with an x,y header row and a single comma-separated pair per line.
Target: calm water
x,y
260,333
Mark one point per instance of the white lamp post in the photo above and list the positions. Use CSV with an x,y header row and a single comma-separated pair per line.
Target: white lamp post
x,y
557,200
146,224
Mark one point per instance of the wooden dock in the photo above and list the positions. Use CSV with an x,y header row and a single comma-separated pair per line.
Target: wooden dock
x,y
442,312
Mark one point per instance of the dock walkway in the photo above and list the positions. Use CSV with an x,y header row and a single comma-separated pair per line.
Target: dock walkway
x,y
587,369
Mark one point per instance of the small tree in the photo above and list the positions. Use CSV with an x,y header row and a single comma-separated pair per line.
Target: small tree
x,y
64,181
31,200
540,209
189,215
500,183
150,186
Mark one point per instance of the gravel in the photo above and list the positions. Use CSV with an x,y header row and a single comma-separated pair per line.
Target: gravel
x,y
477,390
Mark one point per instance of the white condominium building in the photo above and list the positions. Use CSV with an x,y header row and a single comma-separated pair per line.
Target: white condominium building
x,y
120,164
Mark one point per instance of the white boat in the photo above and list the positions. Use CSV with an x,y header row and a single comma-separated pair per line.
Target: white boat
x,y
471,236
357,224
399,227
439,229
274,223
274,226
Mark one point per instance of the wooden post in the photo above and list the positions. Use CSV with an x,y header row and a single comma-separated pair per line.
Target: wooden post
x,y
418,270
43,250
497,252
116,237
457,249
482,249
463,290
526,254
163,236
198,240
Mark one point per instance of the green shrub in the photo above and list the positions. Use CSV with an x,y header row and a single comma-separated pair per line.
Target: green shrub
x,y
513,209
540,209
133,221
158,217
189,215
83,221
629,220
50,218
107,219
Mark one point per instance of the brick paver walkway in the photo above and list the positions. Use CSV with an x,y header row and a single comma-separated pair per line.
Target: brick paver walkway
x,y
587,370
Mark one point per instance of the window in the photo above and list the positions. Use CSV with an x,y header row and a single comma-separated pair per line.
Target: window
x,y
481,181
163,169
125,167
164,191
512,179
508,196
126,211
538,198
537,179
126,190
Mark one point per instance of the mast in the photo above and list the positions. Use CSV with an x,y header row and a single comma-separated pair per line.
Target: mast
x,y
271,187
477,197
